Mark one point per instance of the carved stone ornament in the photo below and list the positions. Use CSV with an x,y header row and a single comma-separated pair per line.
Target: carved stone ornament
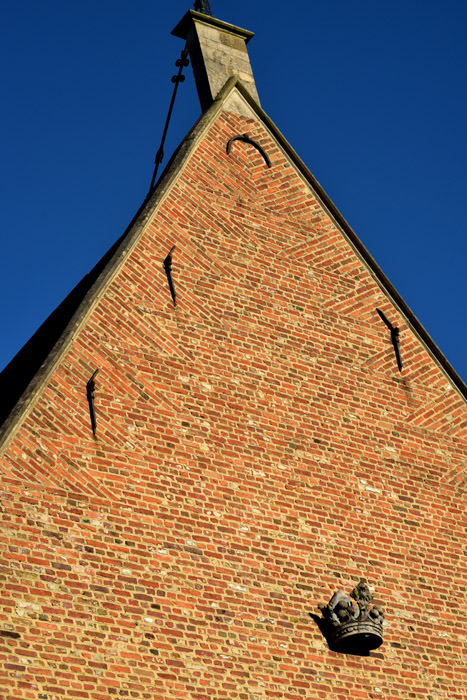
x,y
351,627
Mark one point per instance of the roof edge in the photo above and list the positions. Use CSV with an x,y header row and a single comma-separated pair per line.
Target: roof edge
x,y
366,257
121,249
107,267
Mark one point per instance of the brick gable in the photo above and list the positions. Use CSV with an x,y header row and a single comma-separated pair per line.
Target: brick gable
x,y
256,449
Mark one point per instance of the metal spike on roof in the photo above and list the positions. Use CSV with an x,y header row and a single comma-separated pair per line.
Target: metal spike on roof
x,y
203,6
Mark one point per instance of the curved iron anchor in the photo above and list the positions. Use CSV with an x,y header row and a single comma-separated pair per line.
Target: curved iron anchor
x,y
90,387
168,272
246,139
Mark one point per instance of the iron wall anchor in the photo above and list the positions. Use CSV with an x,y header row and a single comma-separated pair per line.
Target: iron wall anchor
x,y
90,390
246,139
394,337
168,272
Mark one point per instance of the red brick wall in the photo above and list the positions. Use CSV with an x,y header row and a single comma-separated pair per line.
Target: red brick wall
x,y
257,449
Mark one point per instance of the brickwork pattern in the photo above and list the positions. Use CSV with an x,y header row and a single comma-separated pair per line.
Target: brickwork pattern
x,y
256,450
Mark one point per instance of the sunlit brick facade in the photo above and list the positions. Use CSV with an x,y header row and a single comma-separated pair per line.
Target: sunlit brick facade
x,y
256,450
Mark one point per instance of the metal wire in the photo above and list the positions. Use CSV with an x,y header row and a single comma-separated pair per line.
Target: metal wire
x,y
176,79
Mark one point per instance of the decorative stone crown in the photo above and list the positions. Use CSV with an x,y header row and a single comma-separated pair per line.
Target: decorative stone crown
x,y
353,627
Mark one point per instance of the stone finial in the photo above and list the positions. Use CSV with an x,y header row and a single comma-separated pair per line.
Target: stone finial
x,y
217,52
203,6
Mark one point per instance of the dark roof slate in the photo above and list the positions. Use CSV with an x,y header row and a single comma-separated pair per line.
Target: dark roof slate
x,y
32,366
16,376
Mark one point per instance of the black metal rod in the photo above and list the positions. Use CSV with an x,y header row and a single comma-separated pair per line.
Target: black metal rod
x,y
394,337
168,272
90,387
385,320
177,79
395,344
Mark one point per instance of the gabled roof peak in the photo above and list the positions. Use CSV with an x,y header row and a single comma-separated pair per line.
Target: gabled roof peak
x,y
22,381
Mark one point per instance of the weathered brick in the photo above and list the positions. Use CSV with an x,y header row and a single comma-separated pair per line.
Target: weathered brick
x,y
256,450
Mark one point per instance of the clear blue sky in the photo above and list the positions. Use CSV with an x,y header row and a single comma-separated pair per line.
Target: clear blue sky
x,y
372,95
